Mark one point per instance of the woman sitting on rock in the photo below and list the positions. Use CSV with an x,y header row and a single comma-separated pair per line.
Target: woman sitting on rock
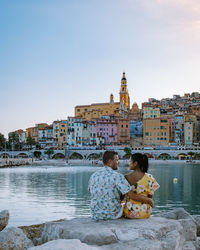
x,y
143,184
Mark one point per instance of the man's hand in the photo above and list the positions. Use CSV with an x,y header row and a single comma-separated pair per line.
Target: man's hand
x,y
140,198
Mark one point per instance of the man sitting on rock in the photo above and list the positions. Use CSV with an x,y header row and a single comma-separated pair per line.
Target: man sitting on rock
x,y
106,187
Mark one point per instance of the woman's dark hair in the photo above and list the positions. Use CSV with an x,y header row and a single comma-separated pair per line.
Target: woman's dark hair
x,y
108,155
142,161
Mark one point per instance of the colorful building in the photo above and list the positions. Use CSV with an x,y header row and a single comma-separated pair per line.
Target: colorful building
x,y
75,127
191,129
156,131
62,133
89,135
106,129
55,133
48,131
150,112
123,131
179,129
33,133
41,134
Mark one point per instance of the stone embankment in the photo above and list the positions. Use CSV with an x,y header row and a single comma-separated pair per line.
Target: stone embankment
x,y
7,162
168,230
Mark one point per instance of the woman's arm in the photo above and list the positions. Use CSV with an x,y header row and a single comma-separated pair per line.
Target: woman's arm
x,y
140,198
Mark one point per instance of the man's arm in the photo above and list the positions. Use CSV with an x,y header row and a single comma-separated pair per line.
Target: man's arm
x,y
140,198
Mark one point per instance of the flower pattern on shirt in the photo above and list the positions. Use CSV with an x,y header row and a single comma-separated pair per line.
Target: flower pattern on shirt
x,y
106,186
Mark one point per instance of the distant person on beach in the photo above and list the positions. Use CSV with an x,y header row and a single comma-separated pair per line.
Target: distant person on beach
x,y
106,187
143,184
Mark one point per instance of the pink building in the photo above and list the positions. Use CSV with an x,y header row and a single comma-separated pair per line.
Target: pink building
x,y
106,129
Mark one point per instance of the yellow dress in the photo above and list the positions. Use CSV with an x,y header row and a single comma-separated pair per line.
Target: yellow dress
x,y
137,210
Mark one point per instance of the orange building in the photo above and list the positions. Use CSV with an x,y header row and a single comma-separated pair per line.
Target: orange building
x,y
123,131
196,110
156,131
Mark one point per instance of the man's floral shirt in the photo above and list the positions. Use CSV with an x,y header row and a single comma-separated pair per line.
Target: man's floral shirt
x,y
106,186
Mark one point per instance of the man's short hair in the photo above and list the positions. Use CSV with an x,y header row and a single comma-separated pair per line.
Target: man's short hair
x,y
108,155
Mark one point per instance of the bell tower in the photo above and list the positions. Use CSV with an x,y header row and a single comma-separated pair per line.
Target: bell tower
x,y
123,94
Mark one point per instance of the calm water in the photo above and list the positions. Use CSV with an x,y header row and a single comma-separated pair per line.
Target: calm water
x,y
43,193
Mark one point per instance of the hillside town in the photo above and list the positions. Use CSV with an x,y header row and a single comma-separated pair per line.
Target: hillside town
x,y
169,122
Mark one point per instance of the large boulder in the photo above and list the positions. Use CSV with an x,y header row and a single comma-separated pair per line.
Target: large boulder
x,y
13,238
172,230
154,233
4,217
64,245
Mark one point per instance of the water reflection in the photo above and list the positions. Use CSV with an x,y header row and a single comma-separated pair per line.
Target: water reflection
x,y
38,194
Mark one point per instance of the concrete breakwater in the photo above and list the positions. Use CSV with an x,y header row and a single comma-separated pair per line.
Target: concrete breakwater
x,y
176,229
11,162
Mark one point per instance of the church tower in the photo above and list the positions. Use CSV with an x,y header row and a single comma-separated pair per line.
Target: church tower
x,y
123,94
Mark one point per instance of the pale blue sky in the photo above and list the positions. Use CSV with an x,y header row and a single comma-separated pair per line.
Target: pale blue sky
x,y
55,55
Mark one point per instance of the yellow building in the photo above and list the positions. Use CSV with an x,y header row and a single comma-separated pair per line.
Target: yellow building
x,y
97,110
156,131
62,134
32,132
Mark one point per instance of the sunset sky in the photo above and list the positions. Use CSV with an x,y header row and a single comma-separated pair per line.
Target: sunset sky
x,y
55,55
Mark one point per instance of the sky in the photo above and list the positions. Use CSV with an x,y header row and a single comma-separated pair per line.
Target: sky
x,y
55,55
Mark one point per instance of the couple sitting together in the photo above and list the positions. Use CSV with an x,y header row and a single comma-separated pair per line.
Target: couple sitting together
x,y
114,195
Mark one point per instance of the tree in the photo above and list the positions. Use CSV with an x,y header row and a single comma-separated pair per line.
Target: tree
x,y
49,152
2,141
30,141
13,140
127,151
37,154
191,154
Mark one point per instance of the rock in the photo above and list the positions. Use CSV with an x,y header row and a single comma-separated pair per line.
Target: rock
x,y
197,221
189,229
189,246
85,230
64,245
4,217
174,230
14,238
33,232
176,214
154,233
198,243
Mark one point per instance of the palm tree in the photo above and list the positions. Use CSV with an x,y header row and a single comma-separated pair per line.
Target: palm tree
x,y
49,152
30,141
37,154
127,151
13,140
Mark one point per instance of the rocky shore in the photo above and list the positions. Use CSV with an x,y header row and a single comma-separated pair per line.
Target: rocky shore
x,y
8,163
176,229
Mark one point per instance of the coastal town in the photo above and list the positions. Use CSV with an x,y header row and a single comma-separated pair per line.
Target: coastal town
x,y
159,124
